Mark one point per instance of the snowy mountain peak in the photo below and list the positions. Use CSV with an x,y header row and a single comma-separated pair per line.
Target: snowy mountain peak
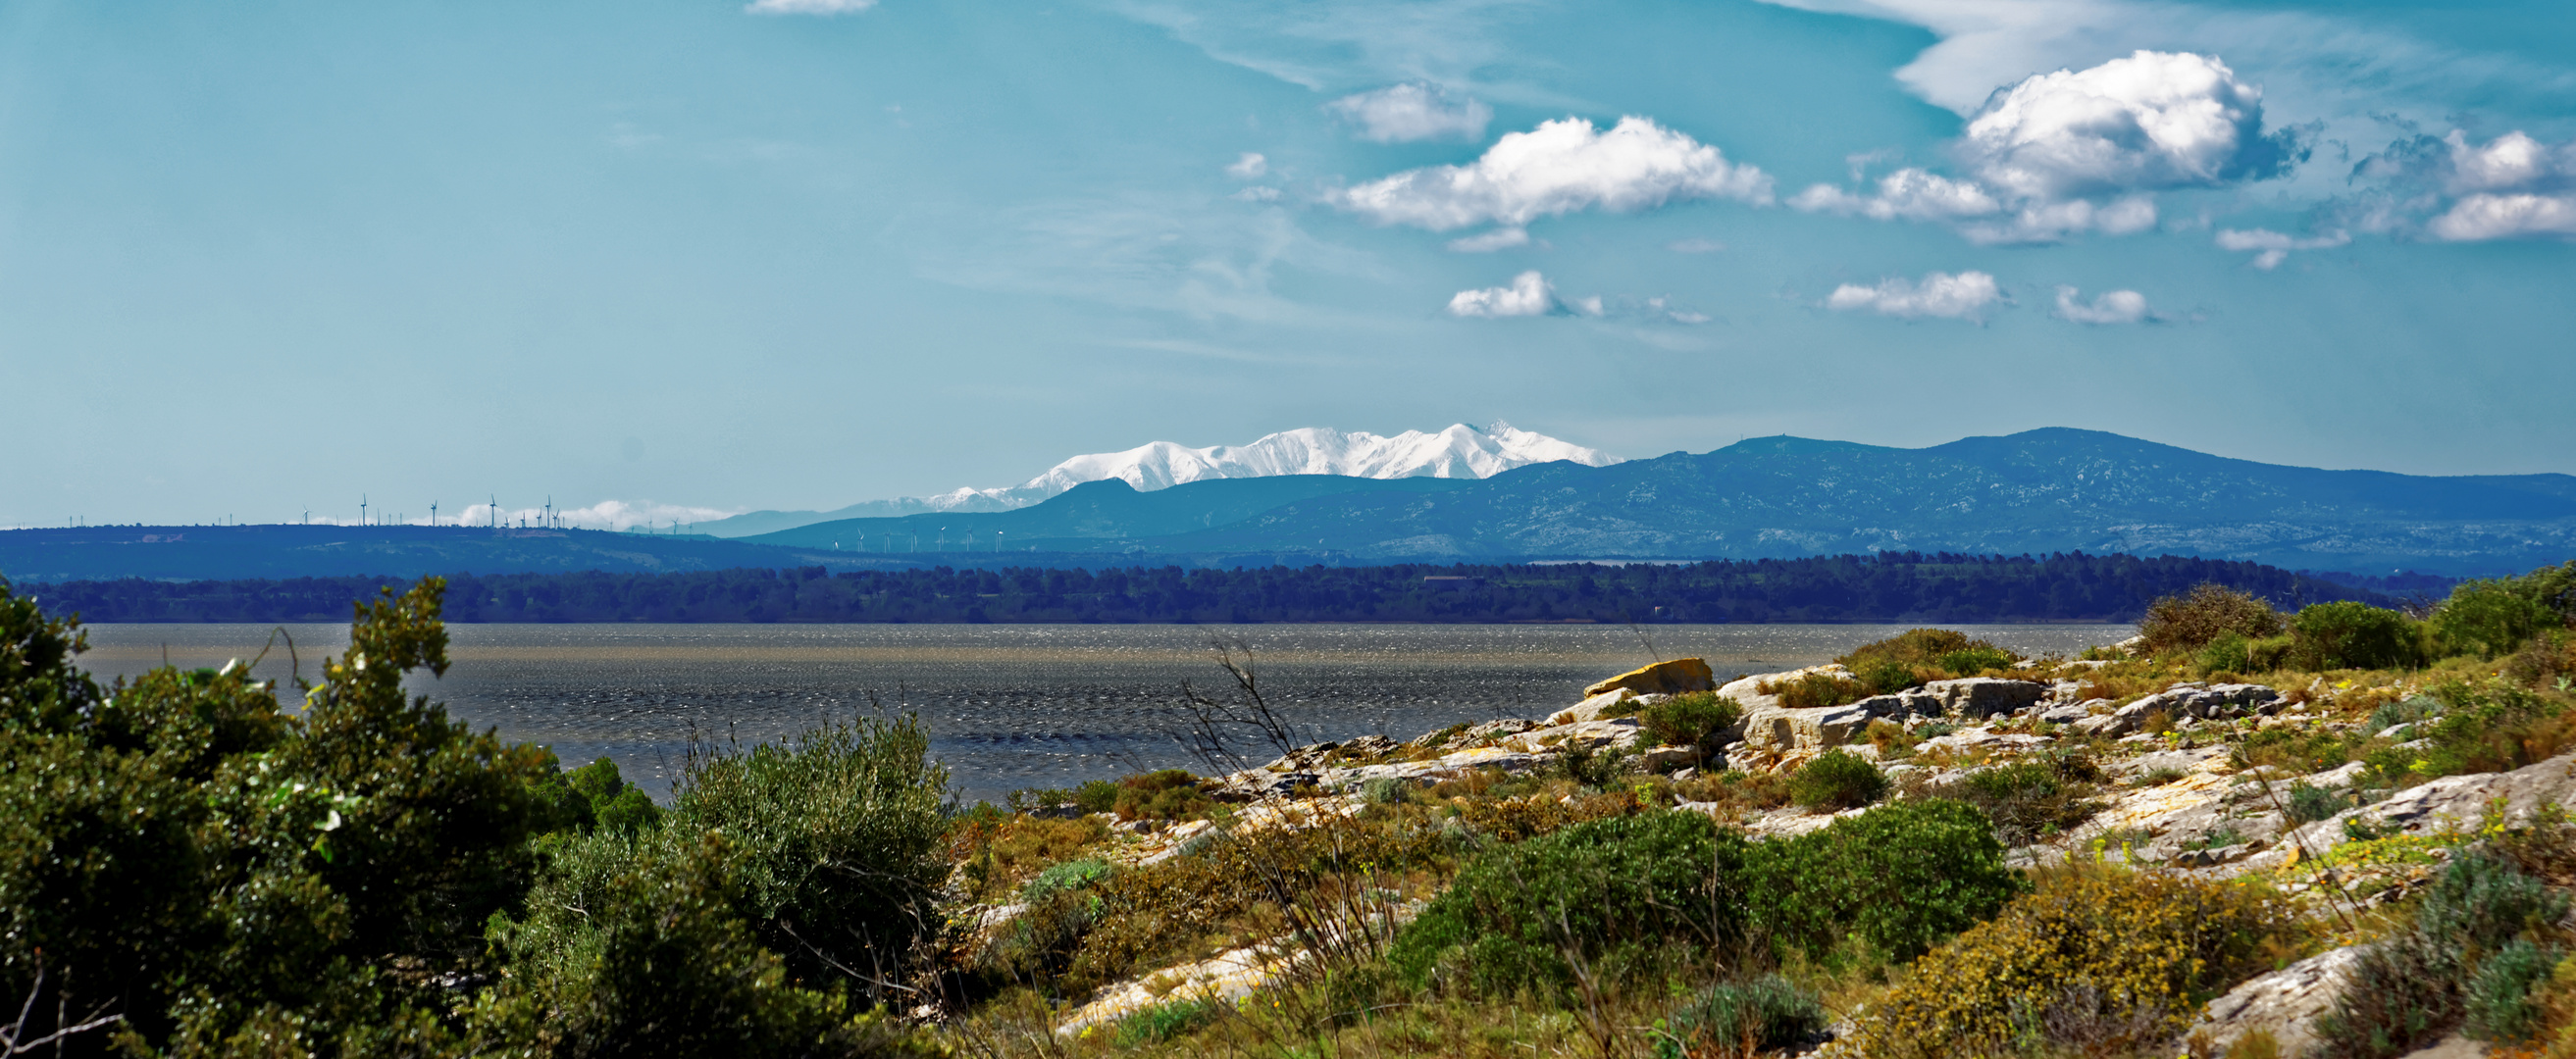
x,y
1461,451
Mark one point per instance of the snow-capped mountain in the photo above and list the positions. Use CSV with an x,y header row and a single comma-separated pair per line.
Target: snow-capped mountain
x,y
1461,451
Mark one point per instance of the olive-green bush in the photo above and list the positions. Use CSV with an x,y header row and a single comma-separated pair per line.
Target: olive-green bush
x,y
2411,988
2096,961
1837,779
1615,895
1915,656
2192,621
1896,880
2347,634
1698,719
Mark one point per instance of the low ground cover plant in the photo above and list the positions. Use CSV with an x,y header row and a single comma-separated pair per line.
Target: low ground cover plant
x,y
1699,719
2096,960
2191,622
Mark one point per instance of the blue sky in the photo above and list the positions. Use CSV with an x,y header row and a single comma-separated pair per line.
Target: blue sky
x,y
258,258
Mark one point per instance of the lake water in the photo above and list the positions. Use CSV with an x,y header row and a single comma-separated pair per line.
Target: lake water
x,y
1009,706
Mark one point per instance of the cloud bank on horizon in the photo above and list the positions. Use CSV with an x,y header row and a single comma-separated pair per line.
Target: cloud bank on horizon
x,y
785,252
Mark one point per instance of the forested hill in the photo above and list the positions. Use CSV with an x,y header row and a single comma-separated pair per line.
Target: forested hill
x,y
1898,587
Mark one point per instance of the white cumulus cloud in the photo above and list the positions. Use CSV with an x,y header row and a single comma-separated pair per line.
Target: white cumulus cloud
x,y
809,7
1409,112
1963,296
1912,194
2152,120
2108,307
2271,247
1488,242
2507,216
1529,295
1249,167
1695,246
1560,167
2075,151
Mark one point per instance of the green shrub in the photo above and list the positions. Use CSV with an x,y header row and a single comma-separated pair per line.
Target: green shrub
x,y
2192,621
2491,618
1620,893
219,867
635,947
1596,766
1975,660
1162,1022
1168,794
836,841
2232,652
1814,690
1915,656
1897,879
1837,779
1744,1018
594,795
2350,635
2408,989
2490,726
2404,711
1698,719
2498,1003
2033,798
2309,804
2097,961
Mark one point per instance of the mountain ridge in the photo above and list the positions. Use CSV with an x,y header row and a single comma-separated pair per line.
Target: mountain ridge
x,y
1458,451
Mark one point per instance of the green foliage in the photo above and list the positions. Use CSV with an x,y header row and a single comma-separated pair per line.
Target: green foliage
x,y
2490,618
2034,797
2488,726
1814,690
1162,1022
2498,1001
2233,652
635,947
2096,961
835,841
1595,766
1066,877
1915,656
2190,622
2350,635
592,796
1837,779
2404,711
1611,893
1897,880
2309,804
2414,986
1697,719
1744,1018
1169,794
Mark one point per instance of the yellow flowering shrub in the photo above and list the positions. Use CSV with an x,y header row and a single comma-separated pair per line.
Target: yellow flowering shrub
x,y
2097,958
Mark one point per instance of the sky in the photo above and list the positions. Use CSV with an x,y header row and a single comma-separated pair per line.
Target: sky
x,y
673,259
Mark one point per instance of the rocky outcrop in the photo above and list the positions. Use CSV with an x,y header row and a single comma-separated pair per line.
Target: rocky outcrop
x,y
2284,1004
1662,678
1612,702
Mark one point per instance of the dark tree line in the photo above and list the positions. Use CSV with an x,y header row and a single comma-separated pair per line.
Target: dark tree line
x,y
1889,587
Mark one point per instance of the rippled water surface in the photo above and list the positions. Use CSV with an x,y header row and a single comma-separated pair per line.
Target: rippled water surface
x,y
1009,706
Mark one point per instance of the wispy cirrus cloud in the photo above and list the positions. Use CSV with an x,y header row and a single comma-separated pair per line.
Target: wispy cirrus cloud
x,y
1413,112
808,7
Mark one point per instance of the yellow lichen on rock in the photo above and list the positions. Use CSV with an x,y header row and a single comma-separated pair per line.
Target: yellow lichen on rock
x,y
1662,678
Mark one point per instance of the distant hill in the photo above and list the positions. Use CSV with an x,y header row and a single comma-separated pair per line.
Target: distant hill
x,y
282,551
2036,492
1096,516
1460,451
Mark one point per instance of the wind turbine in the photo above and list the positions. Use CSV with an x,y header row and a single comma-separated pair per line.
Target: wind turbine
x,y
362,509
433,512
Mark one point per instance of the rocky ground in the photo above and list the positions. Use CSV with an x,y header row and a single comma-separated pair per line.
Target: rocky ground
x,y
2182,784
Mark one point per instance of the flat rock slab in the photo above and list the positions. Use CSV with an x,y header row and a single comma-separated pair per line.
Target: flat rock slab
x,y
2284,1003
